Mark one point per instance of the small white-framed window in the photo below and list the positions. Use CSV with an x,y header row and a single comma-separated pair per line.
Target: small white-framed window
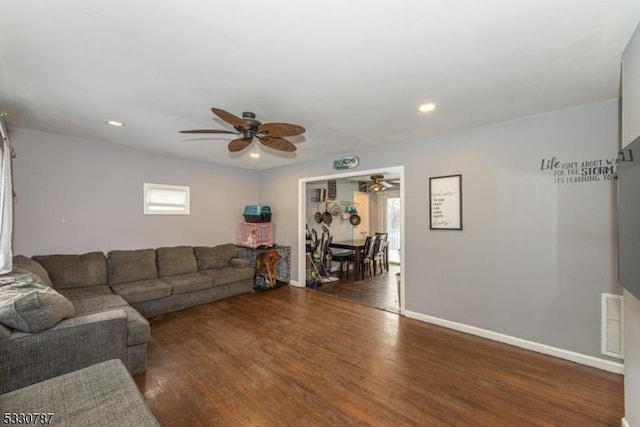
x,y
161,199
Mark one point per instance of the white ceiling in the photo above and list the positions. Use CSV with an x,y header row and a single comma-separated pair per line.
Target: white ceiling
x,y
352,72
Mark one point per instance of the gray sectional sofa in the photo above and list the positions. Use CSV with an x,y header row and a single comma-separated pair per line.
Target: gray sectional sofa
x,y
111,296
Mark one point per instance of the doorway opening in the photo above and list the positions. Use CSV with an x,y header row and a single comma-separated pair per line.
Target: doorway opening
x,y
384,215
389,213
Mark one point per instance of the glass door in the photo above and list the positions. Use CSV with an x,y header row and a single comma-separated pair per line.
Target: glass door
x,y
393,228
389,205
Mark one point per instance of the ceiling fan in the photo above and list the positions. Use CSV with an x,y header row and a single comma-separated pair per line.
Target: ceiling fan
x,y
269,134
378,183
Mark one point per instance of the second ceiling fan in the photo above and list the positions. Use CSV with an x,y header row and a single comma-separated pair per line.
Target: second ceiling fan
x,y
378,183
268,134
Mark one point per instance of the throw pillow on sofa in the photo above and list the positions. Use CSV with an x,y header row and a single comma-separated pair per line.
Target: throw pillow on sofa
x,y
21,261
26,304
4,332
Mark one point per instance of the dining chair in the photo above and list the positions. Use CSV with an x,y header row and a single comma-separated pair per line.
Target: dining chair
x,y
342,257
384,250
366,256
380,253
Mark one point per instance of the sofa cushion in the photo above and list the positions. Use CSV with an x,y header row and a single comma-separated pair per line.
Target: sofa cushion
x,y
97,303
238,263
227,275
143,290
75,271
190,282
89,291
29,306
131,266
214,257
137,326
176,260
33,266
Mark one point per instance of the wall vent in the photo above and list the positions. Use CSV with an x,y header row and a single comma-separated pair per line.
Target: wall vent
x,y
611,341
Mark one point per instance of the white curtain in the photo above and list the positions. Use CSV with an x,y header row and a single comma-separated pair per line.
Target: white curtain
x,y
6,206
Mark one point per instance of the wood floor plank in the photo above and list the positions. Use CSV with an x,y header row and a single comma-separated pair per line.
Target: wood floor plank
x,y
298,357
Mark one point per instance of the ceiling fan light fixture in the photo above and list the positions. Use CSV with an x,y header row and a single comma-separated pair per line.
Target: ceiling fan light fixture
x,y
377,187
378,184
427,108
254,154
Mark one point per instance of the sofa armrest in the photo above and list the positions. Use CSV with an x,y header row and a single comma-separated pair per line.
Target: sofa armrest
x,y
238,263
70,345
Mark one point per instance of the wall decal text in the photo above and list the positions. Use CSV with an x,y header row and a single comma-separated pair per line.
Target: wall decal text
x,y
575,172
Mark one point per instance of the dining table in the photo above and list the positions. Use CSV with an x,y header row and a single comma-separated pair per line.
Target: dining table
x,y
355,245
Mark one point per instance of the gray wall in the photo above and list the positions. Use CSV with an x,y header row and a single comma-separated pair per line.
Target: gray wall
x,y
97,188
534,256
531,262
630,131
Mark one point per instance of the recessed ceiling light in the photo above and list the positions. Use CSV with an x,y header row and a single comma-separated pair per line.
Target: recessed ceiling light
x,y
425,108
115,123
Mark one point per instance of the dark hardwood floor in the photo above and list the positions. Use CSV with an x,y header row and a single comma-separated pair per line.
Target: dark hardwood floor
x,y
380,291
294,357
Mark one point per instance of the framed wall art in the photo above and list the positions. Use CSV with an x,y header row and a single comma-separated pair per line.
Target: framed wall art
x,y
445,202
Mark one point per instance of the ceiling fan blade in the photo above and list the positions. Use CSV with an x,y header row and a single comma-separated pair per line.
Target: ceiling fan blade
x,y
279,130
386,184
208,131
233,120
239,144
277,143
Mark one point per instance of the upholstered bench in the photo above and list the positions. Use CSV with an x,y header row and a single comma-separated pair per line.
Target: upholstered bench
x,y
100,395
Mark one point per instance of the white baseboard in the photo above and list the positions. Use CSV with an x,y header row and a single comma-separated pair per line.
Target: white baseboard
x,y
583,359
295,283
625,423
